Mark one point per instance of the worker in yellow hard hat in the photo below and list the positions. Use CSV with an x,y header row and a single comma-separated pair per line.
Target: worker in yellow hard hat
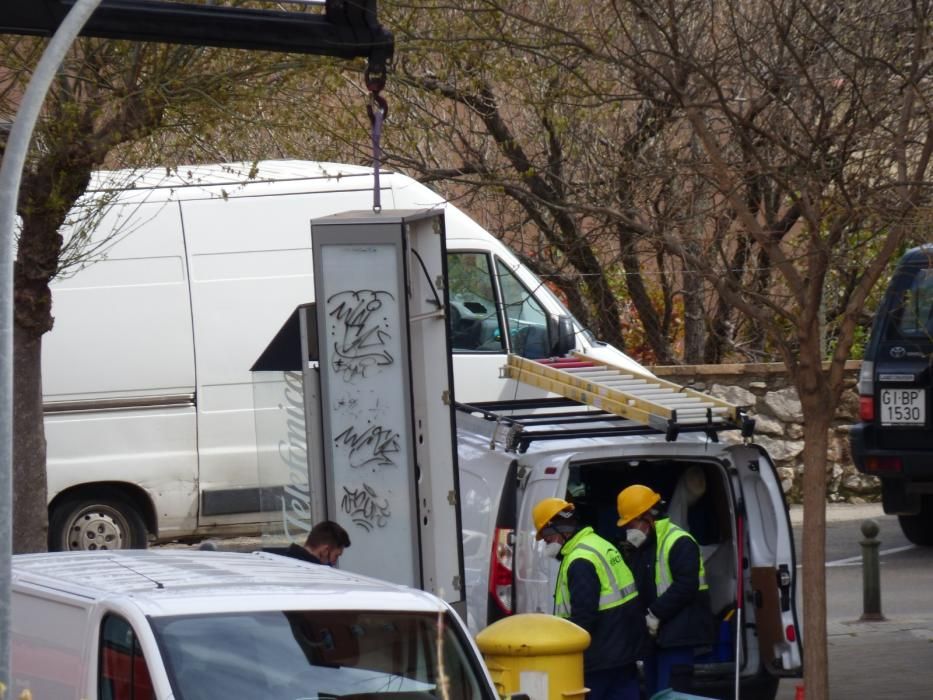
x,y
671,582
596,590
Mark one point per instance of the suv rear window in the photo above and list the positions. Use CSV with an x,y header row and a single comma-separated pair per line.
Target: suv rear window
x,y
913,315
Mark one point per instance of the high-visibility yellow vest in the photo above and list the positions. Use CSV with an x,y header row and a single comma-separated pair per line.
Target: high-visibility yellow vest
x,y
616,583
667,534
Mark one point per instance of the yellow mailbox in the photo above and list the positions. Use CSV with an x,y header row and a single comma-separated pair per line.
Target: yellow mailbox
x,y
539,655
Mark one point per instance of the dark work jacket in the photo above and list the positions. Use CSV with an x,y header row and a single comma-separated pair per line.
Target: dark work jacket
x,y
617,635
684,610
295,551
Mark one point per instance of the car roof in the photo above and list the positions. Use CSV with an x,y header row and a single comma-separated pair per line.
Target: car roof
x,y
174,582
270,178
922,253
227,181
215,174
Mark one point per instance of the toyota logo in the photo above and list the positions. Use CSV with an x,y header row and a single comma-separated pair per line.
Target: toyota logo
x,y
898,351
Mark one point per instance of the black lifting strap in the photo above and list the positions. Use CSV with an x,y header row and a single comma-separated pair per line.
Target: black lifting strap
x,y
377,110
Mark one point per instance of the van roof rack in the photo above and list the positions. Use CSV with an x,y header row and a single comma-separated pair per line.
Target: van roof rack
x,y
646,403
529,420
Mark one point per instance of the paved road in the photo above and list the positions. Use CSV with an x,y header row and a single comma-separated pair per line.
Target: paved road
x,y
890,659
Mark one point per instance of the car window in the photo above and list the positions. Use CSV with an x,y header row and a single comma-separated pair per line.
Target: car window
x,y
527,320
915,307
122,670
318,655
474,320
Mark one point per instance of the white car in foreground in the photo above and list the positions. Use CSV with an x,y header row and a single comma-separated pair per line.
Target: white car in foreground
x,y
198,625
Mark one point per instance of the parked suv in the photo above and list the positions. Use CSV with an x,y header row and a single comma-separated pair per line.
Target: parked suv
x,y
894,439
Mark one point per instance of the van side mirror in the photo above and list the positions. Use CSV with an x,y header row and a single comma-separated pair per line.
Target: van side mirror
x,y
560,334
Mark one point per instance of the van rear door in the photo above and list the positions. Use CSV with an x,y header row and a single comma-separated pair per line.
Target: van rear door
x,y
769,550
487,507
535,573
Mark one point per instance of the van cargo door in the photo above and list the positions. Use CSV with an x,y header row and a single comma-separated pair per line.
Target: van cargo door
x,y
771,576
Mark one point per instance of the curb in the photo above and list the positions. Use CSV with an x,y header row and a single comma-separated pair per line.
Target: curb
x,y
840,512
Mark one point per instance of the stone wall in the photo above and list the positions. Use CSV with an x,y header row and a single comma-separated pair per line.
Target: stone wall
x,y
773,403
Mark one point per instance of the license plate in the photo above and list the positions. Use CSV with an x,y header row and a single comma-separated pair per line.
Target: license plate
x,y
903,406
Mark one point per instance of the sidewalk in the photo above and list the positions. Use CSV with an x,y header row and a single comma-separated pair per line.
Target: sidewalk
x,y
877,660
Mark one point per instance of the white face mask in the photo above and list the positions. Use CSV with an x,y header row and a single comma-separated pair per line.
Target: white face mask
x,y
552,549
635,537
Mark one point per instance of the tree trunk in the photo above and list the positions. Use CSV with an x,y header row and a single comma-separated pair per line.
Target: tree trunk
x,y
761,286
608,324
30,514
720,333
720,336
603,316
694,316
651,322
574,300
817,419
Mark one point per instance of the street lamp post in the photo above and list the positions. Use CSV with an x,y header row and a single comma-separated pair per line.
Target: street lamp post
x,y
11,172
347,29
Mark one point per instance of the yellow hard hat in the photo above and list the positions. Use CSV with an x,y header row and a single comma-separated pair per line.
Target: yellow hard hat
x,y
545,510
634,501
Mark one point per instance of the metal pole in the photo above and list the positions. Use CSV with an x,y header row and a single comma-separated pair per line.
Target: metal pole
x,y
739,595
11,172
871,572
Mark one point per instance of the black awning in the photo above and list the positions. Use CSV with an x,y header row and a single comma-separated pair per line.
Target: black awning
x,y
283,353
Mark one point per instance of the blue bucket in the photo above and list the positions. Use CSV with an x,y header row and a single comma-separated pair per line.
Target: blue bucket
x,y
722,648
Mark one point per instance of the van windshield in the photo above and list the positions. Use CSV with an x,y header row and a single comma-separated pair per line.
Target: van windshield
x,y
318,655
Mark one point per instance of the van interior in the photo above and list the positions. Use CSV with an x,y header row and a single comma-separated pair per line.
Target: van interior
x,y
697,497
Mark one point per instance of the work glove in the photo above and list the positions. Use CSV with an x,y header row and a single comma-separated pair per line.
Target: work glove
x,y
653,623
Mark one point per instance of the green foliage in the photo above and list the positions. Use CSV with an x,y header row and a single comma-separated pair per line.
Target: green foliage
x,y
860,340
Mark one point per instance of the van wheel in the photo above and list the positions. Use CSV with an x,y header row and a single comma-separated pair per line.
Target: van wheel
x,y
919,528
88,523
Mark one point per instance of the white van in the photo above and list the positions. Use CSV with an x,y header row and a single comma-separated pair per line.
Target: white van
x,y
151,408
194,625
511,458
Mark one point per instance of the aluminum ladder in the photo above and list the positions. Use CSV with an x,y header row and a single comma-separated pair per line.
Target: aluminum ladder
x,y
642,398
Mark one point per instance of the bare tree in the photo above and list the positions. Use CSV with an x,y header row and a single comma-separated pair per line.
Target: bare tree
x,y
533,137
814,123
779,148
108,105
